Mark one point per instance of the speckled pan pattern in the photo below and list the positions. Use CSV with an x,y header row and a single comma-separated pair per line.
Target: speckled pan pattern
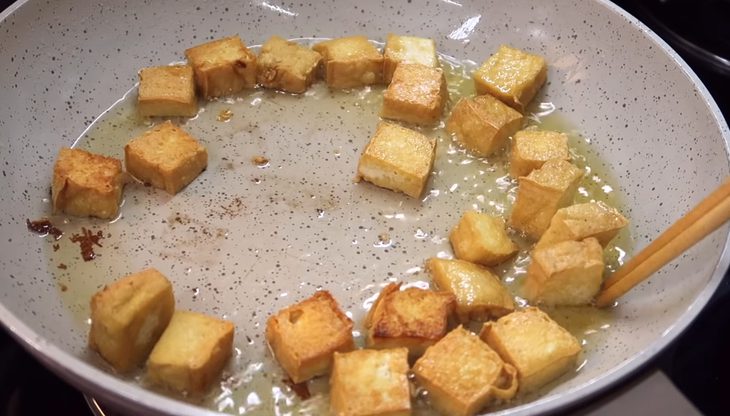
x,y
244,240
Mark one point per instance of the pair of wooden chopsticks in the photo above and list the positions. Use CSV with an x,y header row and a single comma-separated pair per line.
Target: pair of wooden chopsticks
x,y
703,219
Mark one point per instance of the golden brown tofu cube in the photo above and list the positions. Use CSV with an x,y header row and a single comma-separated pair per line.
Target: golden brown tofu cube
x,y
479,293
463,375
417,94
287,66
86,184
350,62
512,75
481,238
128,317
398,159
370,383
222,67
532,148
579,221
191,353
412,318
482,124
408,49
537,346
167,91
304,336
541,193
165,157
567,273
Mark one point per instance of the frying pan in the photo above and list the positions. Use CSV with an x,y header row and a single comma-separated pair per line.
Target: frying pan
x,y
649,121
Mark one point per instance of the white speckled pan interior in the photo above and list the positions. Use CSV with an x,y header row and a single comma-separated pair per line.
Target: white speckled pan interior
x,y
243,241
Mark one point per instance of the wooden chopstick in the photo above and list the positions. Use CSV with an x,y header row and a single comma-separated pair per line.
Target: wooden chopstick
x,y
704,218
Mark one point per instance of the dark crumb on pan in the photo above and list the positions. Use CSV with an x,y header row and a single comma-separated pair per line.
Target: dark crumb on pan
x,y
87,240
63,287
62,266
44,227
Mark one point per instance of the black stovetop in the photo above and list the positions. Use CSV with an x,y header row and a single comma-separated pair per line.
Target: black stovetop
x,y
701,370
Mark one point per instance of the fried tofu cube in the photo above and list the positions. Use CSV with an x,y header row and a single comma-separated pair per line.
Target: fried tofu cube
x,y
537,346
541,193
482,124
412,318
350,62
481,238
128,317
165,157
408,49
463,375
512,75
532,148
222,67
370,383
479,293
579,221
417,94
287,66
86,184
167,91
567,273
398,158
191,353
304,336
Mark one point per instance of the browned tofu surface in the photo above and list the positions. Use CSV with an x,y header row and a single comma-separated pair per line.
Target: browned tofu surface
x,y
481,238
166,157
222,67
579,221
417,94
191,353
537,346
482,124
398,158
167,91
412,318
532,148
128,317
541,193
370,383
408,49
304,336
86,184
479,293
512,75
463,374
287,66
350,62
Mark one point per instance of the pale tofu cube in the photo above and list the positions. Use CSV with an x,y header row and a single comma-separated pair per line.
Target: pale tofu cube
x,y
567,273
165,157
167,91
398,158
463,375
541,193
304,336
481,238
350,62
579,221
370,383
412,318
222,67
287,66
417,94
191,353
479,293
532,148
128,317
482,124
86,184
512,75
537,346
408,49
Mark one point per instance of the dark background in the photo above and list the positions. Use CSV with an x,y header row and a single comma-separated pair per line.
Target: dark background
x,y
701,370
